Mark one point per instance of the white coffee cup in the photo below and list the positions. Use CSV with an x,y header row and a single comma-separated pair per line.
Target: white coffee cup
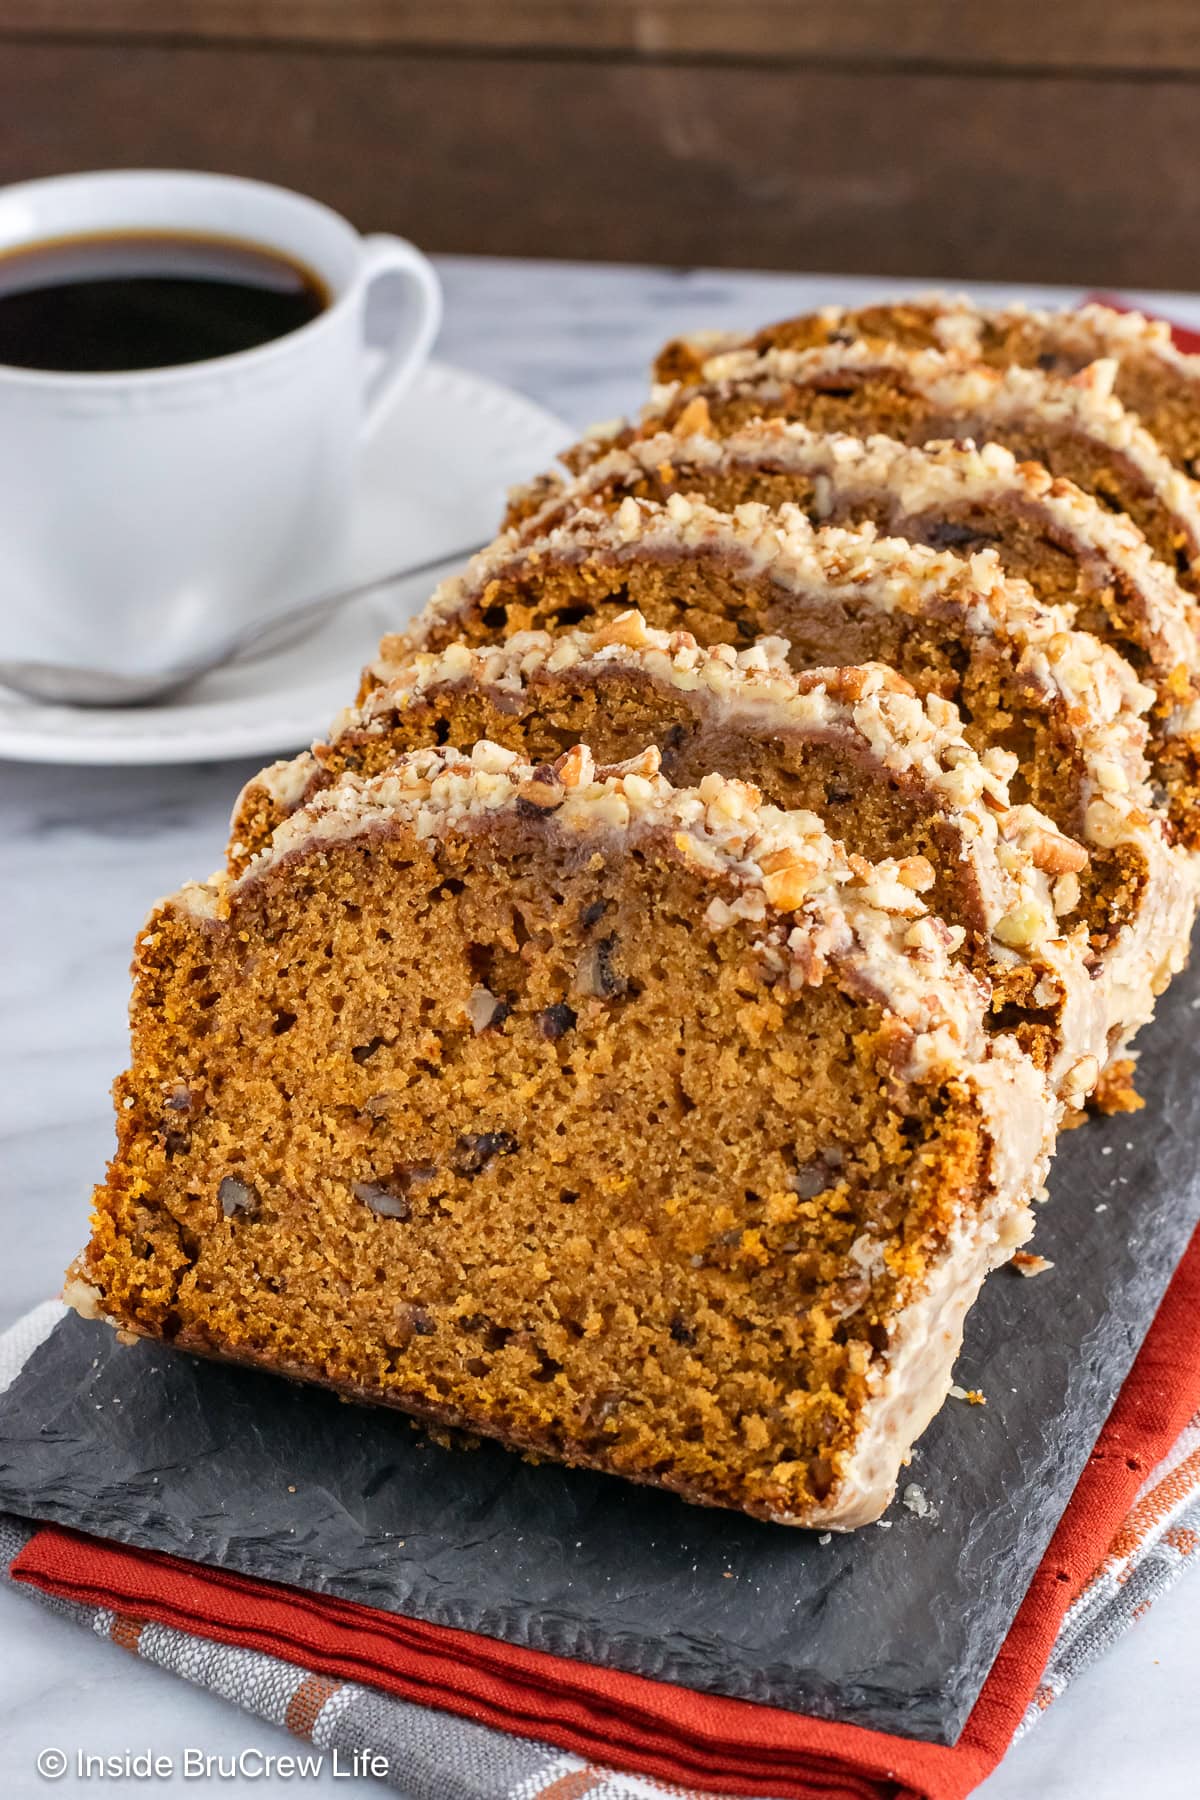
x,y
147,516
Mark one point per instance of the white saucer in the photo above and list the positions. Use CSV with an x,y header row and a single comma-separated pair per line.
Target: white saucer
x,y
433,481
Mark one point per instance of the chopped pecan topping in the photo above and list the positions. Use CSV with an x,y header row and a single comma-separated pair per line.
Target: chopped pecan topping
x,y
1054,854
542,793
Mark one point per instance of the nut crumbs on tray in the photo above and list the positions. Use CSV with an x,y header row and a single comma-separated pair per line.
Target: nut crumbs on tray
x,y
1025,1263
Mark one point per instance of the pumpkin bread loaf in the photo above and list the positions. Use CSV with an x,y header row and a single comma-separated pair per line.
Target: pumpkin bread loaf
x,y
636,1030
702,1201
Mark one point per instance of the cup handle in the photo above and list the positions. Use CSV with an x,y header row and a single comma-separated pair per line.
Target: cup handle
x,y
416,325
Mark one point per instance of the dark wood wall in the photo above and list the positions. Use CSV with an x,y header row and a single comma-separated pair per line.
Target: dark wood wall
x,y
1040,139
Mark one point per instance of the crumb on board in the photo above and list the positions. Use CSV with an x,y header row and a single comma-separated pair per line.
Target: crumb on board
x,y
1026,1263
451,1437
916,1500
1115,1092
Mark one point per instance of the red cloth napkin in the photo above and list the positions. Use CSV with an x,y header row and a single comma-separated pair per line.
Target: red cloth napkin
x,y
652,1727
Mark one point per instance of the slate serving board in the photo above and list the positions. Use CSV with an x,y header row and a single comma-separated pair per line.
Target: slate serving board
x,y
893,1627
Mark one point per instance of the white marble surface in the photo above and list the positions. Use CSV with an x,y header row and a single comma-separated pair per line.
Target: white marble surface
x,y
84,851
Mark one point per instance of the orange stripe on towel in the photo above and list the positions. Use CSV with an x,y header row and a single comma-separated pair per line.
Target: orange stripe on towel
x,y
572,1786
127,1632
307,1703
1153,1507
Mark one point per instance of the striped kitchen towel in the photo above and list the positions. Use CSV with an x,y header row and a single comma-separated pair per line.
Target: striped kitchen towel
x,y
452,1716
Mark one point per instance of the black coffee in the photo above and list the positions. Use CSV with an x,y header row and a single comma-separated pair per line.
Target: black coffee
x,y
147,300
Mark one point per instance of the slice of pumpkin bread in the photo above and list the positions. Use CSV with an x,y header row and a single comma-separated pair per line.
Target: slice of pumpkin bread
x,y
1075,426
1154,379
702,1203
888,774
1072,551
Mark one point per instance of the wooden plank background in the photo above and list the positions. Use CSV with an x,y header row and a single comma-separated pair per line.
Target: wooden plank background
x,y
934,137
1162,35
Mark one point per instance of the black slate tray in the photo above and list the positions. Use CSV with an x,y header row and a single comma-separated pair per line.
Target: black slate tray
x,y
891,1627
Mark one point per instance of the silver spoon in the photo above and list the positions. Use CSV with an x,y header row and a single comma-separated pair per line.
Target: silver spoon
x,y
58,684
